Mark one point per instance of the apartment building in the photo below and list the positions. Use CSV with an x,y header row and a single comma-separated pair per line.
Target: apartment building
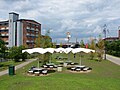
x,y
113,38
16,32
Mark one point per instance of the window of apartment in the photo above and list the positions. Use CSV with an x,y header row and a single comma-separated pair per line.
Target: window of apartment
x,y
32,28
33,25
7,27
28,24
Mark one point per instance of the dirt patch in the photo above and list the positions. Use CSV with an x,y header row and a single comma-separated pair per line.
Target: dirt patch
x,y
79,71
37,75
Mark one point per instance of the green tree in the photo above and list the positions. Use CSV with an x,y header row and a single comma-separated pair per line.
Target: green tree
x,y
16,54
3,49
39,42
92,44
100,49
54,45
113,47
82,45
47,44
44,42
61,44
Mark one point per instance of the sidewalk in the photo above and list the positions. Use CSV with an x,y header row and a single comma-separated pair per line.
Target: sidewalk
x,y
113,59
18,66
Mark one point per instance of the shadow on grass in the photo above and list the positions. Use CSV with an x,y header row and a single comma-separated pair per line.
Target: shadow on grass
x,y
51,71
2,65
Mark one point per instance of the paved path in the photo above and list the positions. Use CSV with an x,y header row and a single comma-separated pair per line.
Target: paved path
x,y
113,59
18,66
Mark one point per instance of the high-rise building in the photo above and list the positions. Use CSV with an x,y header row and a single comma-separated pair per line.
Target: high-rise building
x,y
16,32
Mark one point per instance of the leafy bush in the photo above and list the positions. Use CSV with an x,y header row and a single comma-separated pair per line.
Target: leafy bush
x,y
113,47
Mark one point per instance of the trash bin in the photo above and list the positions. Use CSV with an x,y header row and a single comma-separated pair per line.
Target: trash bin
x,y
59,68
11,70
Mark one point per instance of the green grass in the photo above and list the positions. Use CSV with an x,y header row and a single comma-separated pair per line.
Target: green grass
x,y
104,76
4,65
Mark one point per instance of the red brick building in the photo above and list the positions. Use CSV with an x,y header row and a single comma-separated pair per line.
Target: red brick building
x,y
16,32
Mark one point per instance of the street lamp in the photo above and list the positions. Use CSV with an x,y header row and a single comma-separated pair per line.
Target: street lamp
x,y
105,30
68,37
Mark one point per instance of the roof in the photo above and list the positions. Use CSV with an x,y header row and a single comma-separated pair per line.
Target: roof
x,y
28,20
4,22
112,38
13,13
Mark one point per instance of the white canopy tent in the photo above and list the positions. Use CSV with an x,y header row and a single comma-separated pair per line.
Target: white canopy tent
x,y
59,50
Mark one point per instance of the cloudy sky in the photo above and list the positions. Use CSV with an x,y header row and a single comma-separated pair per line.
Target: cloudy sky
x,y
82,18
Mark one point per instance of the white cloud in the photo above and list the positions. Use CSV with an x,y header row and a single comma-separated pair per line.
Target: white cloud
x,y
82,18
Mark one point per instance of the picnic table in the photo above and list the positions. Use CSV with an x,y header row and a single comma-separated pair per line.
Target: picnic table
x,y
38,71
80,68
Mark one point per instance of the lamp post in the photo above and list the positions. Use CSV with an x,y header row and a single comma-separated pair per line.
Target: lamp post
x,y
68,37
105,30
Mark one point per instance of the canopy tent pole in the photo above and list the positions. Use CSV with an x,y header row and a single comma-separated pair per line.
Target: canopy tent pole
x,y
38,63
80,60
50,59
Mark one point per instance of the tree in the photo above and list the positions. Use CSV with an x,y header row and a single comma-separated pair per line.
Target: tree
x,y
92,44
3,49
82,45
47,44
16,54
54,45
113,47
39,42
43,42
100,49
61,44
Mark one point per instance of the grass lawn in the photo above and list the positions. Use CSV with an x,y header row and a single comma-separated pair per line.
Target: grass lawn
x,y
4,65
104,76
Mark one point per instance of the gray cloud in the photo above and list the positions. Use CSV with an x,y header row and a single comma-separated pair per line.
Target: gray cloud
x,y
82,18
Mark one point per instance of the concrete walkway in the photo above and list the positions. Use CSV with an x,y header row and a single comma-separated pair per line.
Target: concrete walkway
x,y
113,59
18,66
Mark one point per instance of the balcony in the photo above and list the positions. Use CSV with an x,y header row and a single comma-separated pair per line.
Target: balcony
x,y
28,27
27,34
3,28
7,27
37,29
32,28
6,41
32,35
4,34
29,41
